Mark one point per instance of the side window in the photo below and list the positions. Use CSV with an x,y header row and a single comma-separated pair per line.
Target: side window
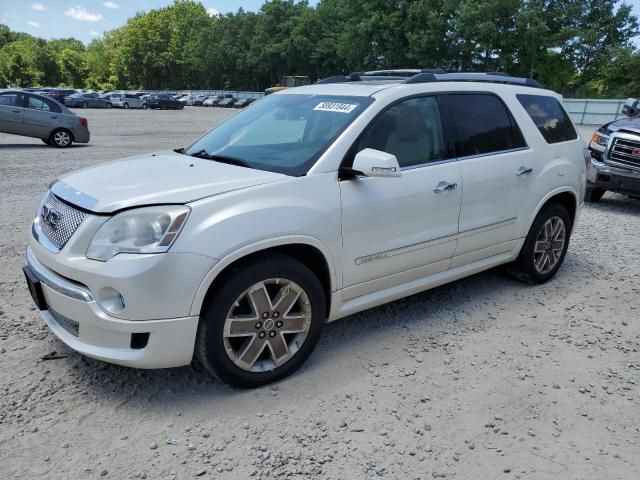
x,y
550,118
411,130
9,100
52,107
484,125
36,103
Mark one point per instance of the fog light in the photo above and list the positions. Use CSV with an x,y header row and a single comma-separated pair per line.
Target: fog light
x,y
111,300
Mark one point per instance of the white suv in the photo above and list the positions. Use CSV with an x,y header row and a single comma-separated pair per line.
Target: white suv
x,y
310,205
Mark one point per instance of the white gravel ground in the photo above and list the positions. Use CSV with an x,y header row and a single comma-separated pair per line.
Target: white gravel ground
x,y
484,378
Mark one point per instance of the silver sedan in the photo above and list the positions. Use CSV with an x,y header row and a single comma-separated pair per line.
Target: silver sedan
x,y
32,115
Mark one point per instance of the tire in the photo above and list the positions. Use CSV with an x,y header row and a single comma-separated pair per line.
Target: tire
x,y
526,268
262,276
61,138
126,106
84,105
144,106
594,194
109,105
46,140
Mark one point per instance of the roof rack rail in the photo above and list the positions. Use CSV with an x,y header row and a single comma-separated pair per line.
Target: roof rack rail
x,y
414,75
489,77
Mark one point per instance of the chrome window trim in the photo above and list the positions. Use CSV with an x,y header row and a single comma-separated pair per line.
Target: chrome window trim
x,y
461,159
55,281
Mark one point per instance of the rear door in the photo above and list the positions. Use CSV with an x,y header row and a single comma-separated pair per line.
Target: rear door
x,y
11,112
40,116
496,166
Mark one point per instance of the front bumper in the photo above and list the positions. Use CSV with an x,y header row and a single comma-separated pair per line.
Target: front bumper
x,y
614,179
73,315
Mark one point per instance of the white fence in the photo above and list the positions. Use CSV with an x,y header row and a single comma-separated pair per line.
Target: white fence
x,y
588,111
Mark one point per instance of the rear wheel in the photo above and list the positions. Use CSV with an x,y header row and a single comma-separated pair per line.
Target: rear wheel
x,y
144,106
85,105
545,247
594,194
126,106
262,322
61,138
109,105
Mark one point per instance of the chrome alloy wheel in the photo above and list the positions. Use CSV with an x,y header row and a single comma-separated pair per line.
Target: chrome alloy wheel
x,y
62,138
267,325
549,245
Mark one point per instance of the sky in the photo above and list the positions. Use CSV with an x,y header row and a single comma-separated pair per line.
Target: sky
x,y
87,19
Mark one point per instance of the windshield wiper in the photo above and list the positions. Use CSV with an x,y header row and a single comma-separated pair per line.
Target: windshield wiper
x,y
221,158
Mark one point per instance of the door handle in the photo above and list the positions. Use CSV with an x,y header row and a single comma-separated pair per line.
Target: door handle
x,y
444,186
54,116
524,171
16,111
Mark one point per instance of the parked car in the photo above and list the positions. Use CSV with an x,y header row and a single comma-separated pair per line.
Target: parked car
x,y
32,115
87,100
315,203
60,94
127,100
188,99
197,102
212,101
244,102
227,102
163,101
615,156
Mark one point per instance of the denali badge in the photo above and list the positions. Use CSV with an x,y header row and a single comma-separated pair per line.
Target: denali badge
x,y
50,216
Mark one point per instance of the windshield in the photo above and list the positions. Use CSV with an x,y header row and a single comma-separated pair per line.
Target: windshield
x,y
282,133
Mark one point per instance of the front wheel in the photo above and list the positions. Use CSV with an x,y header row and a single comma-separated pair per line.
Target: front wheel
x,y
545,247
126,106
262,322
61,138
144,106
109,105
85,105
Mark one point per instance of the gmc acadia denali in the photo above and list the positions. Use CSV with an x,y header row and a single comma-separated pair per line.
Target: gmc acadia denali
x,y
307,206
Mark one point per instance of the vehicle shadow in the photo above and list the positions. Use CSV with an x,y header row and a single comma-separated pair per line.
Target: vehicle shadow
x,y
431,313
34,146
617,204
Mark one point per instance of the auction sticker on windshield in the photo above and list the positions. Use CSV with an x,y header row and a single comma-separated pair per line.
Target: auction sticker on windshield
x,y
335,107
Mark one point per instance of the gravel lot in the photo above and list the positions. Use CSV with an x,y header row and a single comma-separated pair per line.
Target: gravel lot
x,y
484,378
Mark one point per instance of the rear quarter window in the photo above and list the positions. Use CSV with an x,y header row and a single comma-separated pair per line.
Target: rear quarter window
x,y
550,117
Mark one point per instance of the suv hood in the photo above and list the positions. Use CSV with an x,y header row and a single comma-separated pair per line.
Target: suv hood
x,y
152,179
630,124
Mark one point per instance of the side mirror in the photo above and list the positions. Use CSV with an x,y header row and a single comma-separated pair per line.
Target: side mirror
x,y
374,163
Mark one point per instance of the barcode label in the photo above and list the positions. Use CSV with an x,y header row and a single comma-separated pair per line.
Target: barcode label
x,y
335,107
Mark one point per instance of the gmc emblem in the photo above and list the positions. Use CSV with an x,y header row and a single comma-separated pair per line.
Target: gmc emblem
x,y
49,216
635,152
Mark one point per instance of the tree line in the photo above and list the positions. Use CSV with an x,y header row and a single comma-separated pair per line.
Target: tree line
x,y
576,47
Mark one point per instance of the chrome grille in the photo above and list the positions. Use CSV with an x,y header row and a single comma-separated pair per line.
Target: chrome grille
x,y
59,221
69,325
624,152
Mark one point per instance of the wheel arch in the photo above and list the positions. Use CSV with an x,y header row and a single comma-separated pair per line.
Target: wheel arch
x,y
565,196
308,250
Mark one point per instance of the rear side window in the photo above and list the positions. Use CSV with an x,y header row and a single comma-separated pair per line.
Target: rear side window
x,y
484,125
9,99
550,118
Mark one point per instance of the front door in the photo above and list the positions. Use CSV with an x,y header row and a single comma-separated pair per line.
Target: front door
x,y
399,229
496,164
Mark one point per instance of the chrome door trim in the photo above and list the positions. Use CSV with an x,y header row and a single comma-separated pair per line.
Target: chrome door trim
x,y
374,257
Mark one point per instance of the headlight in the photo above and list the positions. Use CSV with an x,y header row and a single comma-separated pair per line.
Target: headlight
x,y
600,139
141,230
